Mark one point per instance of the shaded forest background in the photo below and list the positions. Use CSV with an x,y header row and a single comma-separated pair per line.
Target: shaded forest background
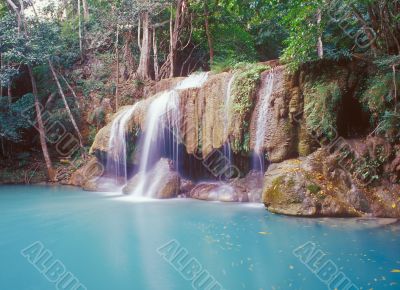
x,y
71,61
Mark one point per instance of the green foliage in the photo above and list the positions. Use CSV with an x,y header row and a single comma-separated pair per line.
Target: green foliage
x,y
378,98
247,79
321,102
7,74
97,117
377,95
59,113
43,42
14,117
91,85
390,125
299,18
233,45
92,134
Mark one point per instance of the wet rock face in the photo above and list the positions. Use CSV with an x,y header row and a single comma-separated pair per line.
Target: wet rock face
x,y
279,134
88,175
205,126
164,181
252,184
317,186
247,189
202,115
218,192
186,186
282,139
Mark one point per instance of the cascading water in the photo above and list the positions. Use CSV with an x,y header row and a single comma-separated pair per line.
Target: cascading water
x,y
195,80
261,123
162,123
227,120
118,151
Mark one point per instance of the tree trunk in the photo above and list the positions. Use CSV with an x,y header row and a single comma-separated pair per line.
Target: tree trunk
x,y
155,60
117,76
1,84
65,9
80,29
394,87
85,10
368,31
144,64
42,134
72,91
171,49
9,92
9,87
208,33
320,46
66,104
129,60
178,24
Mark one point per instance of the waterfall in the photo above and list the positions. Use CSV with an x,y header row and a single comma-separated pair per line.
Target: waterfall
x,y
195,80
261,122
227,120
162,123
117,156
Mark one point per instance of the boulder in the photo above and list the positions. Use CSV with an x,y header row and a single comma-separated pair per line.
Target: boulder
x,y
100,144
162,181
186,186
88,175
218,191
318,186
252,184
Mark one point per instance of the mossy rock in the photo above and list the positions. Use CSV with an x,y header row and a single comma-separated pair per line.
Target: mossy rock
x,y
298,187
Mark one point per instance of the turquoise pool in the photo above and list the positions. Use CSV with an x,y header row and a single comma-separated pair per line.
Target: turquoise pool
x,y
67,238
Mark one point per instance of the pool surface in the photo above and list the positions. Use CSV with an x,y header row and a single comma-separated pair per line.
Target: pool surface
x,y
64,237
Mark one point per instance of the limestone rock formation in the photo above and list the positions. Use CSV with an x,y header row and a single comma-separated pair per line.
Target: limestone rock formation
x,y
318,186
87,176
246,189
100,145
251,184
218,191
186,186
164,181
282,140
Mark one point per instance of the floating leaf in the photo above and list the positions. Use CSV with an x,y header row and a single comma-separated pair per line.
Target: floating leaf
x,y
264,233
395,271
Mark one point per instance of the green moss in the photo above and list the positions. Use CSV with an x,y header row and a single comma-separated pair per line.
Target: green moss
x,y
313,188
275,192
291,182
244,88
320,195
378,99
321,100
245,85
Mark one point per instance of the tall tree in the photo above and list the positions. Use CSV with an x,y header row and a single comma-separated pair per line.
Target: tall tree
x,y
71,117
19,11
143,70
176,28
208,32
